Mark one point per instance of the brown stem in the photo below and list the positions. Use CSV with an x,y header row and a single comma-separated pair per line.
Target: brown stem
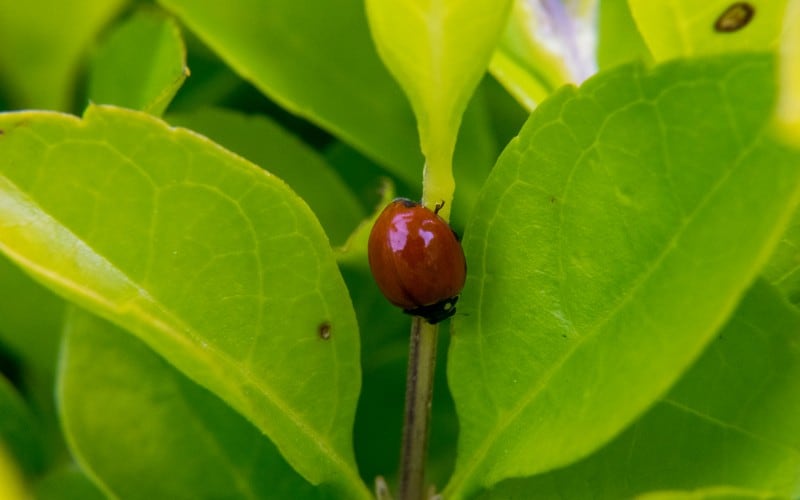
x,y
419,390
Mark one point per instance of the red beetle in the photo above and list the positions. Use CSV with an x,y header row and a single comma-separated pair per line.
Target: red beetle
x,y
417,260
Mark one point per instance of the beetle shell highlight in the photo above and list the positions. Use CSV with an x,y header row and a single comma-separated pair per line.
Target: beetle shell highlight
x,y
417,261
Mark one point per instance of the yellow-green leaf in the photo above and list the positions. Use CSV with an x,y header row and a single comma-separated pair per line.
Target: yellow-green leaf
x,y
42,44
215,264
788,109
116,394
685,28
141,65
265,143
437,50
610,243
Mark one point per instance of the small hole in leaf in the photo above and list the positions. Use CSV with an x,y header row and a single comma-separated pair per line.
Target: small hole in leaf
x,y
324,330
735,17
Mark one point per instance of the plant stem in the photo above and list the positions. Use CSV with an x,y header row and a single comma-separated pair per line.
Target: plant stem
x,y
419,390
438,184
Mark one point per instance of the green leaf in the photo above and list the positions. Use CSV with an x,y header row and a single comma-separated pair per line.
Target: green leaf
x,y
67,483
18,430
543,48
265,143
141,65
712,493
783,269
507,115
212,262
618,40
12,484
116,395
324,68
438,51
42,44
683,28
353,254
788,110
316,62
611,241
30,318
379,420
366,178
476,152
733,419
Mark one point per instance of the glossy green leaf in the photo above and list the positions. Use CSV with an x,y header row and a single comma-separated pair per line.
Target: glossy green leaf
x,y
214,263
115,395
141,65
611,241
437,51
544,47
682,28
733,419
42,43
18,430
316,62
265,143
30,318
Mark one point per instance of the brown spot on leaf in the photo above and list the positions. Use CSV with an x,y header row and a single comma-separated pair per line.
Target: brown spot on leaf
x,y
735,17
324,330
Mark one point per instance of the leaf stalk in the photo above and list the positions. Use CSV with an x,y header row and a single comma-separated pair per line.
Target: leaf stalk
x,y
419,392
